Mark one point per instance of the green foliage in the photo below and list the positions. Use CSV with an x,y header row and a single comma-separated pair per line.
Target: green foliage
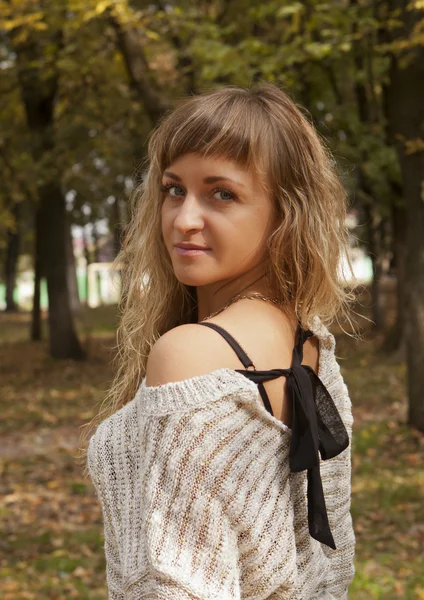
x,y
323,53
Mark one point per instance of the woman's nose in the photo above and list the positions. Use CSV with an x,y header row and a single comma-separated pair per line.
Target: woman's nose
x,y
189,215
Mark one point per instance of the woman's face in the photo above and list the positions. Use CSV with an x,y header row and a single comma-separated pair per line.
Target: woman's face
x,y
220,206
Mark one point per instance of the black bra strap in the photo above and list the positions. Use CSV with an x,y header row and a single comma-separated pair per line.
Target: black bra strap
x,y
244,359
233,343
265,398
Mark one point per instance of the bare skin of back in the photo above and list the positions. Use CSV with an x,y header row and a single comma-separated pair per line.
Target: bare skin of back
x,y
268,341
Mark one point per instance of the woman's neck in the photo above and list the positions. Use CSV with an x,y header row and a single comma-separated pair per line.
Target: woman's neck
x,y
213,297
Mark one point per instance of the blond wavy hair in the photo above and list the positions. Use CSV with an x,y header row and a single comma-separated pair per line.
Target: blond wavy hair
x,y
262,128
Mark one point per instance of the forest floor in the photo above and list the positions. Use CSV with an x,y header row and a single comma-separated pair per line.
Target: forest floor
x,y
51,544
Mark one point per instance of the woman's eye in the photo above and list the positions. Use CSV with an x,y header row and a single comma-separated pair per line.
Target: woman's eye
x,y
176,191
173,190
223,195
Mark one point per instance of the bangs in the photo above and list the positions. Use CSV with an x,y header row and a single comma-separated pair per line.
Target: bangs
x,y
233,128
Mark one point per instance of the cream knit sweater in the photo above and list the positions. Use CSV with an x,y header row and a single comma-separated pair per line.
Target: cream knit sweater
x,y
199,503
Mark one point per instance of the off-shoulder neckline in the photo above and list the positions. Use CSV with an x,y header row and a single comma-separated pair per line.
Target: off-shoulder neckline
x,y
179,396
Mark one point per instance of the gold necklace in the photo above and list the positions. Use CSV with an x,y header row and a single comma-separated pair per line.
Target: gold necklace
x,y
240,297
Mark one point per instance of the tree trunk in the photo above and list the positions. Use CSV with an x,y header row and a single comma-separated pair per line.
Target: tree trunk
x,y
141,78
376,253
115,224
12,254
406,112
71,272
395,340
87,264
375,226
38,87
98,277
54,232
375,245
117,236
36,332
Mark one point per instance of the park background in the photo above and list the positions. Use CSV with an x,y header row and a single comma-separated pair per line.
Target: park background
x,y
82,84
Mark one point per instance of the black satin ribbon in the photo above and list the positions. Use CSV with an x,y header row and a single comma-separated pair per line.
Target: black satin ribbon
x,y
310,433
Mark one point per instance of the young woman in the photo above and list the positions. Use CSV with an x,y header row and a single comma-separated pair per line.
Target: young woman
x,y
223,466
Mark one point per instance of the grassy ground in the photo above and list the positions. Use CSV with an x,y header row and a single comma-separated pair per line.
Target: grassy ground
x,y
50,521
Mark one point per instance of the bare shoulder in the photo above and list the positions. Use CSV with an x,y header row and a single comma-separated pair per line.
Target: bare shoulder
x,y
186,351
266,335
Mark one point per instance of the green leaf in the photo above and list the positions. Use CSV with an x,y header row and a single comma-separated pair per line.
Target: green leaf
x,y
291,9
317,50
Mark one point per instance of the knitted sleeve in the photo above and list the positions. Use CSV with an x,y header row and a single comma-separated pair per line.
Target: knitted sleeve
x,y
113,563
160,467
336,478
191,550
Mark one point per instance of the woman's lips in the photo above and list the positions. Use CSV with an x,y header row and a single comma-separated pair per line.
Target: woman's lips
x,y
191,251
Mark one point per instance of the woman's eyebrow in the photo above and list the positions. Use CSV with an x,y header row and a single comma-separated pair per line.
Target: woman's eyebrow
x,y
212,179
216,178
172,175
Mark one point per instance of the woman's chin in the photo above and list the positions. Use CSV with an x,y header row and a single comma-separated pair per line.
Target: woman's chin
x,y
194,279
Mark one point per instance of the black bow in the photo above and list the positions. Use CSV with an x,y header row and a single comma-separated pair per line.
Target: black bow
x,y
316,426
